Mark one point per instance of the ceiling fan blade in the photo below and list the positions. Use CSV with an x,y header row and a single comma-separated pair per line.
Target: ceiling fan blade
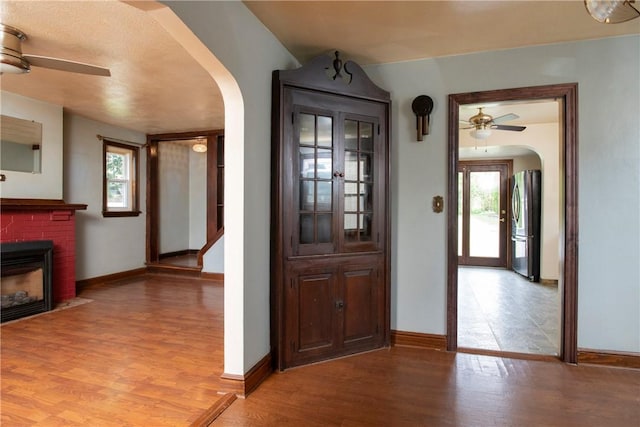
x,y
505,118
65,65
508,127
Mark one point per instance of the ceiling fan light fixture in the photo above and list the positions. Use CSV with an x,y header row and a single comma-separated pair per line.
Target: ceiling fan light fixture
x,y
11,65
482,133
11,60
611,11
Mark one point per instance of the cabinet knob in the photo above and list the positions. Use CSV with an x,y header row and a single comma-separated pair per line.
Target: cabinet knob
x,y
338,174
339,304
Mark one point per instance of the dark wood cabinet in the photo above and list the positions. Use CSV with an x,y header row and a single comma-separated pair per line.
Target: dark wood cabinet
x,y
330,215
334,307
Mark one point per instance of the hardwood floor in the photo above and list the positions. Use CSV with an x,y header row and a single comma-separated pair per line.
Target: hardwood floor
x,y
417,387
148,352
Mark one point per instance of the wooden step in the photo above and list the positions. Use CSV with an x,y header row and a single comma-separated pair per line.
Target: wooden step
x,y
174,269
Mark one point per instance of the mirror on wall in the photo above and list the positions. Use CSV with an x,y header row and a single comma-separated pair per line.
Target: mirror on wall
x,y
20,145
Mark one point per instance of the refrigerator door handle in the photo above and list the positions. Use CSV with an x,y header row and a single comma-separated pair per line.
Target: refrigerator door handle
x,y
515,203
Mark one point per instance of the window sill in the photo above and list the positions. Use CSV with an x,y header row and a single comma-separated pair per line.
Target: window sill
x,y
117,214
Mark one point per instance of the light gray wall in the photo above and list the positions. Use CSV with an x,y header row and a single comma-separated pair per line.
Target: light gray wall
x,y
48,184
103,245
182,197
173,195
607,73
197,200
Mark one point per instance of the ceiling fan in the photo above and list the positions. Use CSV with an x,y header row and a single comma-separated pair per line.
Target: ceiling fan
x,y
12,60
482,124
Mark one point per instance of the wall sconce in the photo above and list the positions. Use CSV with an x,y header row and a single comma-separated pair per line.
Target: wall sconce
x,y
422,107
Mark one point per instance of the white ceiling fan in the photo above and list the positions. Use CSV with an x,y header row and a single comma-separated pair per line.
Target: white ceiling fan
x,y
12,60
481,124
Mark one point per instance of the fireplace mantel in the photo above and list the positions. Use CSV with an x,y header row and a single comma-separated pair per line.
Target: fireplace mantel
x,y
38,205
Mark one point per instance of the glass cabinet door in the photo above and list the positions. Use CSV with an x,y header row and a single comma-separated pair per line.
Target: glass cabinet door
x,y
315,180
335,182
358,181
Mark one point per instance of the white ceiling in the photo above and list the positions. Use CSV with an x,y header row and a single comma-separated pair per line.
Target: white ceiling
x,y
155,87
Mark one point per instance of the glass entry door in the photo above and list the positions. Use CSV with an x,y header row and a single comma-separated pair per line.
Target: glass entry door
x,y
482,213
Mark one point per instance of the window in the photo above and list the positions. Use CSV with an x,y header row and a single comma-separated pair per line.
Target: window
x,y
120,189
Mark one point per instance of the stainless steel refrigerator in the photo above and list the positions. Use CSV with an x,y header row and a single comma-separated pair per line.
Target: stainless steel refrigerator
x,y
525,223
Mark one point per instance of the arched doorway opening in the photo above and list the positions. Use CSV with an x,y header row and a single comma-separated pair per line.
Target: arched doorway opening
x,y
234,181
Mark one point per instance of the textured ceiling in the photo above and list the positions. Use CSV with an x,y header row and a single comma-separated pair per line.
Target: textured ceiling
x,y
372,32
156,87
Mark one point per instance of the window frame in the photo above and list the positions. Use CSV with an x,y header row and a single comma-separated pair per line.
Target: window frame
x,y
133,187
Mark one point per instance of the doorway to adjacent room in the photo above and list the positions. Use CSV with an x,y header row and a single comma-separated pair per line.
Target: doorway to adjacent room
x,y
185,198
481,283
499,309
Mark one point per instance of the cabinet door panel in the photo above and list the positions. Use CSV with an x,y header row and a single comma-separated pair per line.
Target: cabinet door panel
x,y
315,308
360,302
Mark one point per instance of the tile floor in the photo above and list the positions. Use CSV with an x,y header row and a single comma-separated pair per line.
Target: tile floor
x,y
501,310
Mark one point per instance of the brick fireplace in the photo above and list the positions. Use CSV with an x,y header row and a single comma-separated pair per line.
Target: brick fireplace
x,y
23,220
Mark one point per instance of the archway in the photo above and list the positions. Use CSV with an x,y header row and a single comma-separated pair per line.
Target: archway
x,y
234,180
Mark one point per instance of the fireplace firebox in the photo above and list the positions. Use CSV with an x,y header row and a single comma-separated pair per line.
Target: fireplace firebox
x,y
26,273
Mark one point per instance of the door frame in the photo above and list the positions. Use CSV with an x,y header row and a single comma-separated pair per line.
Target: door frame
x,y
568,93
153,191
504,258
